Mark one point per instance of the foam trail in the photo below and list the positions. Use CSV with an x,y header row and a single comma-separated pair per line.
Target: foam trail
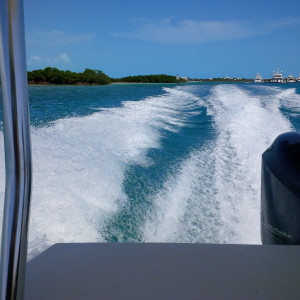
x,y
289,99
214,198
79,165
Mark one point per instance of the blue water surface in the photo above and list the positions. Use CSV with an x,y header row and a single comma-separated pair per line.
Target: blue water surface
x,y
168,163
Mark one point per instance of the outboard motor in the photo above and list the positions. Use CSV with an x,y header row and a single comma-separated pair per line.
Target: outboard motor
x,y
280,191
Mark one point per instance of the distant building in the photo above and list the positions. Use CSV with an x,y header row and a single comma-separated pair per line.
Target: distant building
x,y
185,78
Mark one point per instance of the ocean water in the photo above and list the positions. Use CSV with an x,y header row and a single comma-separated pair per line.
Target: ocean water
x,y
151,162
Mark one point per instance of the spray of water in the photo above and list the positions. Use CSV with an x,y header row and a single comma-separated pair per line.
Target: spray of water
x,y
215,196
79,166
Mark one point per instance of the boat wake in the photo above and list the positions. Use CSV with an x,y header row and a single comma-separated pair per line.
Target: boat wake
x,y
215,198
211,194
79,165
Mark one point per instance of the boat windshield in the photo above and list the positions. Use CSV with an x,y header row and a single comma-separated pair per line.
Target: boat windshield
x,y
126,150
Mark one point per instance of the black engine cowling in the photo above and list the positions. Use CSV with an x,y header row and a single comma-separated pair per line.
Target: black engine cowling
x,y
280,191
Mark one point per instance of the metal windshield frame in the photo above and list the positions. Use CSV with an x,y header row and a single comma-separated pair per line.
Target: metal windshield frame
x,y
17,144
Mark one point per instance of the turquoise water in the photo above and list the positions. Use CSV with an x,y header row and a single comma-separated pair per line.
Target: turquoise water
x,y
152,162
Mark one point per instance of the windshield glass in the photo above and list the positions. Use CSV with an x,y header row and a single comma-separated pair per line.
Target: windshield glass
x,y
148,121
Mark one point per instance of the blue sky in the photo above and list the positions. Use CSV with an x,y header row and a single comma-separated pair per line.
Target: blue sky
x,y
193,38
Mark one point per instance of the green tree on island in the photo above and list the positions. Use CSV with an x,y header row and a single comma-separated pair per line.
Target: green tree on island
x,y
88,76
56,76
162,78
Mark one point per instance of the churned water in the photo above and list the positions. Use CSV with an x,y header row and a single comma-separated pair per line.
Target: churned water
x,y
151,162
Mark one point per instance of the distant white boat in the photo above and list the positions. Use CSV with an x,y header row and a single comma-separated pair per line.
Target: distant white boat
x,y
291,78
277,77
258,78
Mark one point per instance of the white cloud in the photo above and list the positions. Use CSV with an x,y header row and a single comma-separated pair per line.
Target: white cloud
x,y
64,58
282,23
195,32
57,38
61,60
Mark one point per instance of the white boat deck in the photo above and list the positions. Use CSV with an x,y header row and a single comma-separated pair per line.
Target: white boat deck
x,y
164,271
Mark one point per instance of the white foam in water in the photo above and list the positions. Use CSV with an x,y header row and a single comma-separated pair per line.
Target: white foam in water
x,y
215,196
289,99
79,165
